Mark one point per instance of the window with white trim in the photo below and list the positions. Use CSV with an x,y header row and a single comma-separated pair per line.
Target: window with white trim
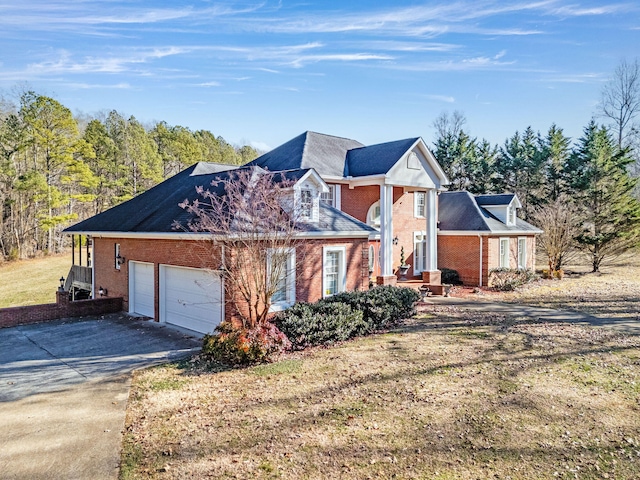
x,y
420,204
281,270
373,215
334,278
504,253
522,253
306,203
332,197
419,252
511,215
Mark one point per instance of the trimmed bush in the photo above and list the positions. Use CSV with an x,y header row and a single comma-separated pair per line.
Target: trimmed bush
x,y
508,279
448,275
322,323
242,346
346,315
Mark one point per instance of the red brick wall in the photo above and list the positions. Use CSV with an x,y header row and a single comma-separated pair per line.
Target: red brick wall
x,y
199,254
462,253
187,253
357,201
13,316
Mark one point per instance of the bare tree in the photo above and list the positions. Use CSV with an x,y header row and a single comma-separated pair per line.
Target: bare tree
x,y
251,214
449,126
621,101
560,225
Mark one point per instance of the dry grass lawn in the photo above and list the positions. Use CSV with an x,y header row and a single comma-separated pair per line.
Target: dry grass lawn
x,y
34,281
448,395
614,292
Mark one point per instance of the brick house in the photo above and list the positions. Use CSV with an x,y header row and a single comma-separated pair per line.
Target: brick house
x,y
372,201
479,233
172,275
391,186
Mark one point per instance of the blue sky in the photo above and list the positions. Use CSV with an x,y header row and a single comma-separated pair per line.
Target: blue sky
x,y
264,72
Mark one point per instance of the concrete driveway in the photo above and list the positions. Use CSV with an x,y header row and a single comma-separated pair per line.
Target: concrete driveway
x,y
64,388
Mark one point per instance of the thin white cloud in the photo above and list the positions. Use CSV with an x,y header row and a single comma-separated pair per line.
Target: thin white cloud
x,y
577,78
64,63
337,57
209,84
441,98
578,11
465,64
89,86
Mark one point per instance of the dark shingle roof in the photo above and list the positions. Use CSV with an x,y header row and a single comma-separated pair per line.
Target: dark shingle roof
x,y
334,156
494,199
326,154
461,211
157,210
376,159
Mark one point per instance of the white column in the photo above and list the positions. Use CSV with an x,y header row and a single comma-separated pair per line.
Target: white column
x,y
432,231
386,230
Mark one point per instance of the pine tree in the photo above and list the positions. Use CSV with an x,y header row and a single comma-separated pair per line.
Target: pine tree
x,y
555,154
610,214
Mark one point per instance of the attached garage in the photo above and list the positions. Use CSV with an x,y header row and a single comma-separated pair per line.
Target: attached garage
x,y
141,289
191,298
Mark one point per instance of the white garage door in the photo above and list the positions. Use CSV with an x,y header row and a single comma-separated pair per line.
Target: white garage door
x,y
191,298
141,289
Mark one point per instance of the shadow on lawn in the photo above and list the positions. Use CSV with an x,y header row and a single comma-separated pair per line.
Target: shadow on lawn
x,y
470,435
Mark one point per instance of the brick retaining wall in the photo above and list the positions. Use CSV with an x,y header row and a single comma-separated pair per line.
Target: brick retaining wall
x,y
63,308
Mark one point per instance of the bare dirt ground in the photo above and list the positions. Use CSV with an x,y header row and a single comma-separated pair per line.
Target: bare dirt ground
x,y
448,395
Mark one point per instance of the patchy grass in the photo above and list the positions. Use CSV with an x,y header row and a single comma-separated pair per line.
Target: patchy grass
x,y
34,281
450,395
615,292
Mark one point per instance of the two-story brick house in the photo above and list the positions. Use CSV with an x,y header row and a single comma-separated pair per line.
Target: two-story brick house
x,y
372,202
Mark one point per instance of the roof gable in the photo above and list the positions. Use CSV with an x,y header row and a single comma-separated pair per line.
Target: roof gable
x,y
376,159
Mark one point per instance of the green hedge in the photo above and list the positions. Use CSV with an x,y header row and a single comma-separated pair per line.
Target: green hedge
x,y
345,315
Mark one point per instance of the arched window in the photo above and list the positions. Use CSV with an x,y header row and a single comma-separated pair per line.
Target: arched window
x,y
373,215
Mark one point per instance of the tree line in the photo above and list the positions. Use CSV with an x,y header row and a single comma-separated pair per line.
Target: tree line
x,y
56,168
584,195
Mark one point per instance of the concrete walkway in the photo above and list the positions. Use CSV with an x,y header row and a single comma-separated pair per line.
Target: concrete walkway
x,y
64,388
628,325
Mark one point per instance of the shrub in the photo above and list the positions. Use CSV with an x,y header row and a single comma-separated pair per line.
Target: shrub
x,y
346,315
381,306
321,323
508,279
451,276
242,346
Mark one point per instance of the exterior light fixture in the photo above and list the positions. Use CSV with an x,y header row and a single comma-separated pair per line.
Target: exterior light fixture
x,y
61,287
120,259
102,292
395,240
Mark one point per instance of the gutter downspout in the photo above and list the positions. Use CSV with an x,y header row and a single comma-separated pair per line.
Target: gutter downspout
x,y
480,237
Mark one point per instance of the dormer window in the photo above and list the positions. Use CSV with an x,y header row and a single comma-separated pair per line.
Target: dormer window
x,y
306,196
306,203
